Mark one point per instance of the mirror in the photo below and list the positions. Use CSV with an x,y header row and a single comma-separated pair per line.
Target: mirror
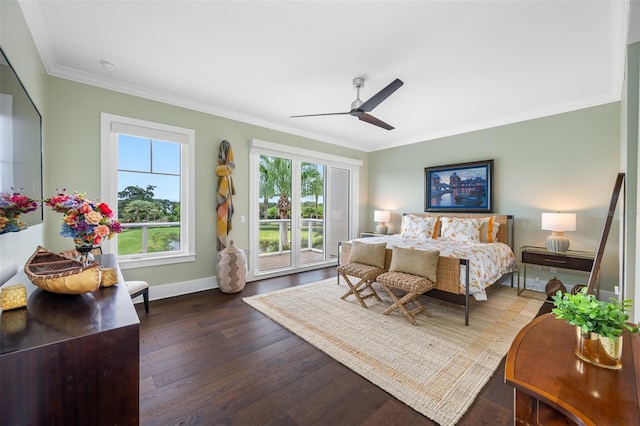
x,y
20,140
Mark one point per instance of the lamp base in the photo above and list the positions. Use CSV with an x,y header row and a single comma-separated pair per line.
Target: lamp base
x,y
382,229
557,242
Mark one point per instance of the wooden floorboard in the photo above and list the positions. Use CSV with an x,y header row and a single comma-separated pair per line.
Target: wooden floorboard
x,y
210,359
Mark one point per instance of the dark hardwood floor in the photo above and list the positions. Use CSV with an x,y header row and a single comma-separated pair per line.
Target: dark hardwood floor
x,y
208,358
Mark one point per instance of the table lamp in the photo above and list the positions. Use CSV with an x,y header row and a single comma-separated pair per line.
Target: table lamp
x,y
381,216
558,223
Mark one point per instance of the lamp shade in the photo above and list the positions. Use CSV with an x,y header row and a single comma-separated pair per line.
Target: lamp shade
x,y
381,216
559,222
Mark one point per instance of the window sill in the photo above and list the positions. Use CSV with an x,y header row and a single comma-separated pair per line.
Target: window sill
x,y
143,262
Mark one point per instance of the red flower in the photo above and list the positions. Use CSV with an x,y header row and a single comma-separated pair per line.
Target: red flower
x,y
105,209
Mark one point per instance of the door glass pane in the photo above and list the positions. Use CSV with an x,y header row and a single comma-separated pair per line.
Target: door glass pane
x,y
311,211
338,216
275,213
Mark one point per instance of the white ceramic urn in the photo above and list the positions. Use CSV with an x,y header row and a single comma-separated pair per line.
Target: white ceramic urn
x,y
232,269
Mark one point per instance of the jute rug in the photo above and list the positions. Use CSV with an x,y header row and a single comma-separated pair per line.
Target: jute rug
x,y
437,367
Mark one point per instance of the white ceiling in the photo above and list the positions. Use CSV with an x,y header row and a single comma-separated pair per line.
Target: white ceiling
x,y
466,65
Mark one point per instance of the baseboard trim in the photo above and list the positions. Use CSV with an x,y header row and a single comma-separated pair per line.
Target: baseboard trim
x,y
164,291
539,287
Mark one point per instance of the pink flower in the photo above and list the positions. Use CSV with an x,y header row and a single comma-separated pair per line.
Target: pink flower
x,y
93,217
85,208
102,230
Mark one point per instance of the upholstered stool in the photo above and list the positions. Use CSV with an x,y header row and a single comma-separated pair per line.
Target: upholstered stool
x,y
139,288
366,262
413,271
413,285
367,275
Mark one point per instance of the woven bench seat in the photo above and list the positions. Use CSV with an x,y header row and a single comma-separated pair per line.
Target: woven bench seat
x,y
367,275
366,262
414,286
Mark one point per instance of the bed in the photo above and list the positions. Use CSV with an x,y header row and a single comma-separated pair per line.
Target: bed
x,y
476,250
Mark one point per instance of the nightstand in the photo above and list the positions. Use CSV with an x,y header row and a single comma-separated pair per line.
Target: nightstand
x,y
573,260
371,234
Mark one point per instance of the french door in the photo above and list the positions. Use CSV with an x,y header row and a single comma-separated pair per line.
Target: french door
x,y
302,204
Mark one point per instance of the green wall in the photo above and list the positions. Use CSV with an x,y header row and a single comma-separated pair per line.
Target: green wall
x,y
565,162
73,162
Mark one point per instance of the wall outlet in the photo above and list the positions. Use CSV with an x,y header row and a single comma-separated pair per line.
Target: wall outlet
x,y
616,290
535,284
553,270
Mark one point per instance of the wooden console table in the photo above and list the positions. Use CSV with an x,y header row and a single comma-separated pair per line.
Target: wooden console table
x,y
554,387
70,359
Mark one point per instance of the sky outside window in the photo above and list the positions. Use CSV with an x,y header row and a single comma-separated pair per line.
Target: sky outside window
x,y
143,162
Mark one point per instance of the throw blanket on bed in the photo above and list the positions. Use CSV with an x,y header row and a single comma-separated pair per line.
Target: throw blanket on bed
x,y
225,191
487,261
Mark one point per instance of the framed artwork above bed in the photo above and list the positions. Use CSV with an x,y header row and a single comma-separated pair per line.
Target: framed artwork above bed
x,y
464,187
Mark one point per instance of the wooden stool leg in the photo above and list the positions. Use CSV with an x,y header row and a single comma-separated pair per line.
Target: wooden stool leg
x,y
372,290
419,306
358,288
353,289
393,296
399,304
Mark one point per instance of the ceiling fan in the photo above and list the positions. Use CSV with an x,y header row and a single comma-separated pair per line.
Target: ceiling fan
x,y
361,109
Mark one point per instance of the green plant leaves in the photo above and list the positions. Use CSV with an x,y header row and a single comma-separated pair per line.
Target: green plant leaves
x,y
592,315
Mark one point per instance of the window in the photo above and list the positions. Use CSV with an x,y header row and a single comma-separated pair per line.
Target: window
x,y
147,172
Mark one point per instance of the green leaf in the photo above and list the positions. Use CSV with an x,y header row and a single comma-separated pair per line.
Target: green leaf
x,y
584,310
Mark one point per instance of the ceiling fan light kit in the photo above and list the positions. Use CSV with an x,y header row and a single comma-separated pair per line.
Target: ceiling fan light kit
x,y
361,109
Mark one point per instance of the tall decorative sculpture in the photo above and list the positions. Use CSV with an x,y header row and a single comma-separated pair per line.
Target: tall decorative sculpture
x,y
225,192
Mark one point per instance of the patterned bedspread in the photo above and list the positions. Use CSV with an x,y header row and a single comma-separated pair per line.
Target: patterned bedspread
x,y
487,261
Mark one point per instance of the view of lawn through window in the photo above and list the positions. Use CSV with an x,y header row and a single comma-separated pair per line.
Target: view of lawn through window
x,y
148,195
275,205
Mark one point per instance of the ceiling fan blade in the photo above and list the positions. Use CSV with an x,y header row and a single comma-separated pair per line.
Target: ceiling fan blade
x,y
375,121
376,99
318,115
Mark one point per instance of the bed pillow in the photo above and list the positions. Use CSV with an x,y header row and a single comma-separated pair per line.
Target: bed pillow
x,y
462,230
368,254
489,230
418,227
436,228
415,262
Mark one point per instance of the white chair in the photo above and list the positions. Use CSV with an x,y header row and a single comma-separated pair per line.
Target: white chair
x,y
137,288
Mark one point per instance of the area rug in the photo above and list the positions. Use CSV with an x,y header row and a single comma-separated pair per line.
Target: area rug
x,y
437,368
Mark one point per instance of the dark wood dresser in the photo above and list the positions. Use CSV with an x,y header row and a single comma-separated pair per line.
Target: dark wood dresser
x,y
70,359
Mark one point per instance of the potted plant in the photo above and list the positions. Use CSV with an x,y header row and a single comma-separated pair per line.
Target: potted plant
x,y
599,326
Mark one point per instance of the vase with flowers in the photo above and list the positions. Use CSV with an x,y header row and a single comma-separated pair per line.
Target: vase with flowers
x,y
12,205
87,221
